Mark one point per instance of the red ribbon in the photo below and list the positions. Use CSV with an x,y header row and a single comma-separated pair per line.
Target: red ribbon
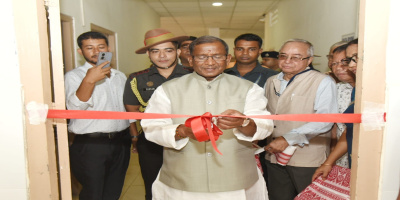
x,y
91,114
201,124
204,130
85,114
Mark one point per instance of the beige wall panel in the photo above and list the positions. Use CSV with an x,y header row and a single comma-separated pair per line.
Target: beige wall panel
x,y
367,145
33,52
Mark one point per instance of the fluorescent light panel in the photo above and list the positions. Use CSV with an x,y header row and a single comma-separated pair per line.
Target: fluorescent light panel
x,y
217,4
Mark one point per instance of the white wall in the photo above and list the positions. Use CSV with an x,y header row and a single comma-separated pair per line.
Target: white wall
x,y
13,182
320,22
231,44
130,19
391,159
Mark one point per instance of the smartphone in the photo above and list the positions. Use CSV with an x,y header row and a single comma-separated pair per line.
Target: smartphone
x,y
103,57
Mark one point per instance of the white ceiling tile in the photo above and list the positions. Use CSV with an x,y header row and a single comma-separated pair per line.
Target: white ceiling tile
x,y
155,4
250,9
194,17
249,3
160,10
180,4
190,22
208,4
169,1
187,11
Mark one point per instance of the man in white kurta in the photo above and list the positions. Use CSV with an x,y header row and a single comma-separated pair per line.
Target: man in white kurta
x,y
192,169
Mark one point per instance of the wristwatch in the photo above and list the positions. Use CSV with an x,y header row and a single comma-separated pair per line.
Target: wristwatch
x,y
134,136
246,122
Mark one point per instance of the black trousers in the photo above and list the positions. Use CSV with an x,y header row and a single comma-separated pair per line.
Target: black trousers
x,y
262,143
150,161
99,163
286,182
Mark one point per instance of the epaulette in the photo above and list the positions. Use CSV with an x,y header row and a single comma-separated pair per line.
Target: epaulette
x,y
134,74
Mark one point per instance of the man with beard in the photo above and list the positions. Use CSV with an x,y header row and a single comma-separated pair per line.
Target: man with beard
x,y
161,47
100,150
247,50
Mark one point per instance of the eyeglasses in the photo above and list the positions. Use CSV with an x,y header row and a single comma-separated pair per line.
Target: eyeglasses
x,y
349,59
292,58
342,62
202,58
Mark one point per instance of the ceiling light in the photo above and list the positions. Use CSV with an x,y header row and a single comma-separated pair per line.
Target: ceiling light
x,y
217,4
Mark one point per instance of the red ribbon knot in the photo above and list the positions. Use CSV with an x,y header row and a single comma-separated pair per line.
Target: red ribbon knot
x,y
204,130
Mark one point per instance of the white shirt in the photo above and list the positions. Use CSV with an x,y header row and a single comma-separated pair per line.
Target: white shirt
x,y
325,102
106,96
162,132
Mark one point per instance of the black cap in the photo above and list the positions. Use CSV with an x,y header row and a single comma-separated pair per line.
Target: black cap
x,y
191,38
270,54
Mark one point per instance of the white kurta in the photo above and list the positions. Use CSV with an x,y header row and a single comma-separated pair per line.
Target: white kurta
x,y
162,132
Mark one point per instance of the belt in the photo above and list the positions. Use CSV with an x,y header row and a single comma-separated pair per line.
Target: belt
x,y
110,135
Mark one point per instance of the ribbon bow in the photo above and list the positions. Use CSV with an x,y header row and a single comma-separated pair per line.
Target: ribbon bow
x,y
204,130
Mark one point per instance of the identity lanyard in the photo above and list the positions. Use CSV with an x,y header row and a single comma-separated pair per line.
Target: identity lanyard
x,y
258,79
291,80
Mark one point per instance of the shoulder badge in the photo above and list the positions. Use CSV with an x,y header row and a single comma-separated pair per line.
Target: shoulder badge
x,y
149,83
134,74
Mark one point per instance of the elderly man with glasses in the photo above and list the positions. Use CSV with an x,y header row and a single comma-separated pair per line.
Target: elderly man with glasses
x,y
192,168
330,59
298,89
340,68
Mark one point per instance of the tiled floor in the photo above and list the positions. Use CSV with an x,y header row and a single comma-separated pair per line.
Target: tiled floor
x,y
133,187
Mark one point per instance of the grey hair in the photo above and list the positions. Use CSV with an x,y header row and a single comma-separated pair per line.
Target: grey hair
x,y
337,44
310,50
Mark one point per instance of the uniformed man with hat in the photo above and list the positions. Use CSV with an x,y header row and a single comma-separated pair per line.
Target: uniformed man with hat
x,y
270,60
161,47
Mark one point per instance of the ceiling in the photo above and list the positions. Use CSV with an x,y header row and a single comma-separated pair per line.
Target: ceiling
x,y
196,17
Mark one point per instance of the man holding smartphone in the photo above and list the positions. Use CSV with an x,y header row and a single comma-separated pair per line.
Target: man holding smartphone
x,y
100,152
161,47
